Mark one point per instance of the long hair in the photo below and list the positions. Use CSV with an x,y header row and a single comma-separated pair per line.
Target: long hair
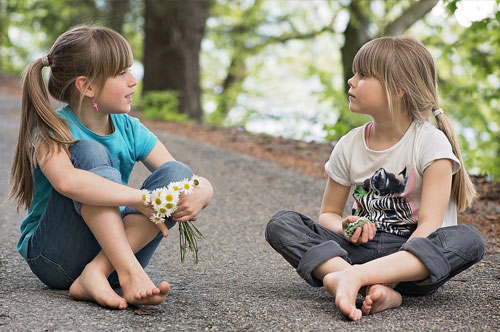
x,y
403,64
96,53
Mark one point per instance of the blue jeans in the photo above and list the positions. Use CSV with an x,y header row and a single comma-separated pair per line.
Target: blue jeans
x,y
62,244
306,244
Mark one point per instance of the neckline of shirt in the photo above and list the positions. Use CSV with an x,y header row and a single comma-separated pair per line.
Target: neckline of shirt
x,y
395,146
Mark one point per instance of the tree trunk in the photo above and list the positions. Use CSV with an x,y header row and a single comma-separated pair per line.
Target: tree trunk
x,y
355,35
173,33
116,10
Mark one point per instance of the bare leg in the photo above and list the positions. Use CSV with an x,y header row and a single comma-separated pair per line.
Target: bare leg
x,y
119,240
345,284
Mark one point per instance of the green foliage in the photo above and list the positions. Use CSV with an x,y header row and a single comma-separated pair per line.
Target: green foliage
x,y
162,105
28,27
469,81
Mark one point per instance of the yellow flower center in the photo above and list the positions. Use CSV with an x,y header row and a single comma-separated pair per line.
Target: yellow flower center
x,y
169,198
169,206
163,210
187,186
158,201
176,188
143,197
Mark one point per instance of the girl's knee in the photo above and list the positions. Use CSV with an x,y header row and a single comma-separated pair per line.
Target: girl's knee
x,y
87,154
170,171
281,226
472,240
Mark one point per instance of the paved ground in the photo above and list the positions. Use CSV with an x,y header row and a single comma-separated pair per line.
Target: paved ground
x,y
240,283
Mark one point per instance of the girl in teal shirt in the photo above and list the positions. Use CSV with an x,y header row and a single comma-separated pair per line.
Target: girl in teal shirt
x,y
85,229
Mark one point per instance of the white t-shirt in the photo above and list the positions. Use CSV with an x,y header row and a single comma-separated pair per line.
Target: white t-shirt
x,y
386,185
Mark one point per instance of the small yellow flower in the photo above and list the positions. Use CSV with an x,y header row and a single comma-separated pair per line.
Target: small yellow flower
x,y
175,186
156,218
146,197
187,186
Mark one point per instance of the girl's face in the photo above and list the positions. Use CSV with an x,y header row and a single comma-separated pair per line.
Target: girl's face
x,y
367,96
116,95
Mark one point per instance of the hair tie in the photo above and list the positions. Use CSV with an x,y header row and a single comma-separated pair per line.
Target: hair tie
x,y
437,112
45,61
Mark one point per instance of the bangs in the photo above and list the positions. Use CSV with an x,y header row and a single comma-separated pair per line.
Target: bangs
x,y
374,57
112,54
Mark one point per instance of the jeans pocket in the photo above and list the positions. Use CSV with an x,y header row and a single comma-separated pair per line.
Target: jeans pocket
x,y
50,273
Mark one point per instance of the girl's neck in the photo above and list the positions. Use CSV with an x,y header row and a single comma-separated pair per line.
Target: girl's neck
x,y
385,134
98,122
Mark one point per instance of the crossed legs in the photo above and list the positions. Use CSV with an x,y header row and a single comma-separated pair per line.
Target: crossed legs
x,y
119,240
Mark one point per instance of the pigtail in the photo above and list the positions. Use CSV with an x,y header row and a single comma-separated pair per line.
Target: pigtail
x,y
40,126
463,190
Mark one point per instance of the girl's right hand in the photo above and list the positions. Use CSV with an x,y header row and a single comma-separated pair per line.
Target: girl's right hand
x,y
148,211
361,234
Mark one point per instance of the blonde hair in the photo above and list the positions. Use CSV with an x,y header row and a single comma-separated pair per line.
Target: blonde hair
x,y
96,53
403,65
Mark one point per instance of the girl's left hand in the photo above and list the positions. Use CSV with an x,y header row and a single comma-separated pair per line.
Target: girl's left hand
x,y
189,206
361,234
148,211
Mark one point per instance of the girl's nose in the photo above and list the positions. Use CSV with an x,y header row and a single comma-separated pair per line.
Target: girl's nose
x,y
132,80
351,81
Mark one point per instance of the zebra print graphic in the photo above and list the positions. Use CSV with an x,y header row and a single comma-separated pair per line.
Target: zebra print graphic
x,y
379,200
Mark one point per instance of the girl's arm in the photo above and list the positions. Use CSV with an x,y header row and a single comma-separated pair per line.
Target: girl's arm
x,y
189,206
332,206
436,189
84,186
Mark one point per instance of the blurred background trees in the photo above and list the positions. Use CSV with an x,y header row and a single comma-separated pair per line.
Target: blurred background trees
x,y
279,67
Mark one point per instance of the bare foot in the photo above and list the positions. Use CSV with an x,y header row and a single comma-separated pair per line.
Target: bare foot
x,y
138,289
344,286
92,285
379,298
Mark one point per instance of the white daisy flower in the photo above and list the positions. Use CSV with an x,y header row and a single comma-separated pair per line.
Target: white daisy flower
x,y
166,209
175,186
196,180
158,196
146,196
187,186
156,218
171,196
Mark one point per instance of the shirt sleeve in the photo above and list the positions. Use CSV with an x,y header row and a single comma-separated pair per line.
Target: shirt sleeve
x,y
337,167
144,139
435,145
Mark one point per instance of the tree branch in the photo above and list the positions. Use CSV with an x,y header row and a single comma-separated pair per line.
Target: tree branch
x,y
409,17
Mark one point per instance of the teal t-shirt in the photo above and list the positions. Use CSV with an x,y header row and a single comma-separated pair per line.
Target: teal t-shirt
x,y
130,142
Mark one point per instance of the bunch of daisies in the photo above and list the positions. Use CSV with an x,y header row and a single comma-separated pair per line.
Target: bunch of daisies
x,y
164,201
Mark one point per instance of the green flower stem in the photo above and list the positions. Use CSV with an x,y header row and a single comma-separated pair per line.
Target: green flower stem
x,y
187,239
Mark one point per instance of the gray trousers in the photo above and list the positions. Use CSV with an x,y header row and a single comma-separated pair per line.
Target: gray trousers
x,y
306,244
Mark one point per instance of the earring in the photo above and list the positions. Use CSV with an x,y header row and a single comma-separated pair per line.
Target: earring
x,y
94,105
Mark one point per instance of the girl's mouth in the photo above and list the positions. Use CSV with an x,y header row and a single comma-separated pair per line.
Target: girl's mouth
x,y
129,97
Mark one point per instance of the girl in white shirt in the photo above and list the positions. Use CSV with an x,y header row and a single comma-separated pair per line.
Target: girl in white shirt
x,y
405,175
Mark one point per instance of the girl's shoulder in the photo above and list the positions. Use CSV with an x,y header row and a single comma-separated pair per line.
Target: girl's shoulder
x,y
355,133
354,137
427,134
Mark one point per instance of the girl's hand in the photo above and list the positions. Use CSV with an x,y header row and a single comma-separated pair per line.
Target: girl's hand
x,y
361,234
189,206
148,211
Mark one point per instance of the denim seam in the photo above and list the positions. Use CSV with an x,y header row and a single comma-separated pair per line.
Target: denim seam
x,y
59,266
462,254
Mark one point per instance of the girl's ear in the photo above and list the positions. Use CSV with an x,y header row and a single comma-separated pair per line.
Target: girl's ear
x,y
82,85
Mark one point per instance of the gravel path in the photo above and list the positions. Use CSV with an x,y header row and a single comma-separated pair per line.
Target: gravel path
x,y
240,283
